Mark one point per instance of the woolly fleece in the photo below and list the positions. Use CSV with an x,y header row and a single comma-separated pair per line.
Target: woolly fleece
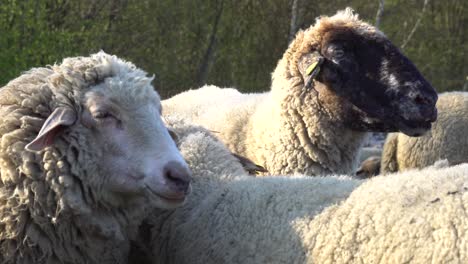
x,y
411,217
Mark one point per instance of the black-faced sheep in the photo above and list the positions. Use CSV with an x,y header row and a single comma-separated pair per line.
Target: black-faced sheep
x,y
84,155
446,140
337,80
230,218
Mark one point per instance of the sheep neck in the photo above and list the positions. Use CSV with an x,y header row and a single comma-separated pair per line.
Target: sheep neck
x,y
65,231
305,136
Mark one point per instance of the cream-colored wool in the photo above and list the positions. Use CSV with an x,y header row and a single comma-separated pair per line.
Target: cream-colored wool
x,y
446,140
411,217
54,207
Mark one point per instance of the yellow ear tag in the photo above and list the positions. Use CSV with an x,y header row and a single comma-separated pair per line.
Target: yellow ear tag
x,y
311,68
312,71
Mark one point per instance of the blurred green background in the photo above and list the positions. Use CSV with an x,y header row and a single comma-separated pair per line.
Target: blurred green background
x,y
234,43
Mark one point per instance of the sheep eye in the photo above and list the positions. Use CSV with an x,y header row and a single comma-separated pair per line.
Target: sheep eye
x,y
338,53
103,115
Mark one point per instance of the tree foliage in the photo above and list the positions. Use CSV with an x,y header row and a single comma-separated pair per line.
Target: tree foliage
x,y
187,43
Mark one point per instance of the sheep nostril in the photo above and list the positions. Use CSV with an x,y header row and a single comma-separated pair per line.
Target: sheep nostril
x,y
178,176
420,100
423,99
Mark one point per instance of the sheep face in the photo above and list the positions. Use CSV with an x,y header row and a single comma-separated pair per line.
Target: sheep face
x,y
379,89
139,153
130,147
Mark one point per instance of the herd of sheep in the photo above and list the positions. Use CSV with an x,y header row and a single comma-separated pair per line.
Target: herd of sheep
x,y
95,168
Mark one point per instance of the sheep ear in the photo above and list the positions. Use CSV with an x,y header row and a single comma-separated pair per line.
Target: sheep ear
x,y
61,117
173,135
310,65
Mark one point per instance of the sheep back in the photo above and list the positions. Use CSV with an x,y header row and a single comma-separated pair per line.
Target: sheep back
x,y
248,220
416,216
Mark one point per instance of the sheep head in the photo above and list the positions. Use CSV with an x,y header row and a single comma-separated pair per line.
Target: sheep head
x,y
118,145
365,80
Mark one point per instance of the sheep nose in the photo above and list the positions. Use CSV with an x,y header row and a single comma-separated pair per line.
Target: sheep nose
x,y
421,99
177,176
427,105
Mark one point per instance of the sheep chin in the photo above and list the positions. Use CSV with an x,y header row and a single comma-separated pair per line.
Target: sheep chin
x,y
165,200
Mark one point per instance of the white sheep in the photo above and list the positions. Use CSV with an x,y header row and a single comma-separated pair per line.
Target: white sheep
x,y
338,79
84,155
446,140
416,216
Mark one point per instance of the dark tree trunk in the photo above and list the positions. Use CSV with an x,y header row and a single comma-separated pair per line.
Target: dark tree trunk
x,y
207,60
416,25
293,25
378,16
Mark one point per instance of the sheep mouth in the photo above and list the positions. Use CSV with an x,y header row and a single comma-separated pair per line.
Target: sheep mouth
x,y
390,123
413,128
173,198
